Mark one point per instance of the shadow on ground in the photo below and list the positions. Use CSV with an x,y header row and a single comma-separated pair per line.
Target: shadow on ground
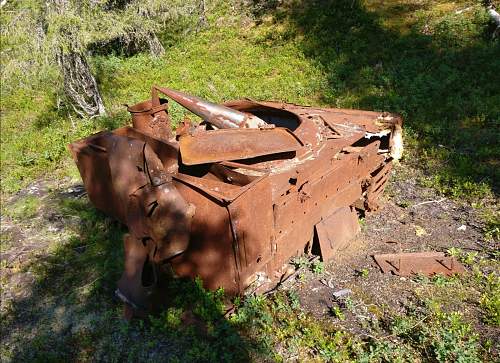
x,y
69,312
443,80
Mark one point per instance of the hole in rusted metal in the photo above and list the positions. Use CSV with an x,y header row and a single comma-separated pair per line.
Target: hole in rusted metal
x,y
280,118
148,276
152,208
307,247
315,250
145,240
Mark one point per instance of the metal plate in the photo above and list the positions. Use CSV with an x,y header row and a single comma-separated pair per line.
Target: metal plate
x,y
335,231
427,263
235,144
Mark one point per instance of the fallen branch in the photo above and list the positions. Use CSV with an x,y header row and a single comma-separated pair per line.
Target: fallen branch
x,y
430,201
463,10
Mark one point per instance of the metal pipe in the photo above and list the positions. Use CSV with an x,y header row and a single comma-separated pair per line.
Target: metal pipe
x,y
220,116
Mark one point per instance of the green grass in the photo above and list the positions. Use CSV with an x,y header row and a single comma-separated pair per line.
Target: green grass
x,y
23,208
217,64
435,67
70,313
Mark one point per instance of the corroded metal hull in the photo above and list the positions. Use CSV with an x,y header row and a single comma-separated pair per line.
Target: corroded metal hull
x,y
234,205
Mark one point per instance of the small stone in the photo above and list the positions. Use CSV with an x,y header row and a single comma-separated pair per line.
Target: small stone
x,y
340,293
463,227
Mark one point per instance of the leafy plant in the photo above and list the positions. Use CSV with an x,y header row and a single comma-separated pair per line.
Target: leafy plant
x,y
490,299
337,312
318,267
364,272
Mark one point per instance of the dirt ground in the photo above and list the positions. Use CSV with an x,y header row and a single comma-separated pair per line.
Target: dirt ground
x,y
412,218
426,223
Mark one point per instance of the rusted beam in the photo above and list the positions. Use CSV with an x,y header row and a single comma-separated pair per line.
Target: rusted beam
x,y
235,144
218,115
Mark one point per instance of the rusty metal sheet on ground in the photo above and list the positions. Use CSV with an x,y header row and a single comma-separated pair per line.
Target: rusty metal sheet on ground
x,y
427,263
235,144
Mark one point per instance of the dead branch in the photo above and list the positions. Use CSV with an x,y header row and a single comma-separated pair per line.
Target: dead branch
x,y
80,85
463,10
430,201
156,49
202,20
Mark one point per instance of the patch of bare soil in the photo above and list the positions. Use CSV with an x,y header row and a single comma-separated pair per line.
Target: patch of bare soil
x,y
412,219
29,239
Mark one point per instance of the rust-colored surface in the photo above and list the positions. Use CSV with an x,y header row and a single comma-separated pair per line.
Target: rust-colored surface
x,y
425,263
336,231
235,144
233,199
151,116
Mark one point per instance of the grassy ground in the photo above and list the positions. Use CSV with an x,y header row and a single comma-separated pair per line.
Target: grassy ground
x,y
61,260
421,59
438,68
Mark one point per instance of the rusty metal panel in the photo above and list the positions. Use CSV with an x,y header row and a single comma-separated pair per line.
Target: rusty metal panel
x,y
210,253
167,151
336,231
93,165
295,219
426,263
139,276
376,187
235,144
251,218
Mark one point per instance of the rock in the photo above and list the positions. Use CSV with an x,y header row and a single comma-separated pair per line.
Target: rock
x,y
341,293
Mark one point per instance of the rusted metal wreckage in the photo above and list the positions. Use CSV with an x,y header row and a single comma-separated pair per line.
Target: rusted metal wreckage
x,y
234,198
425,263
